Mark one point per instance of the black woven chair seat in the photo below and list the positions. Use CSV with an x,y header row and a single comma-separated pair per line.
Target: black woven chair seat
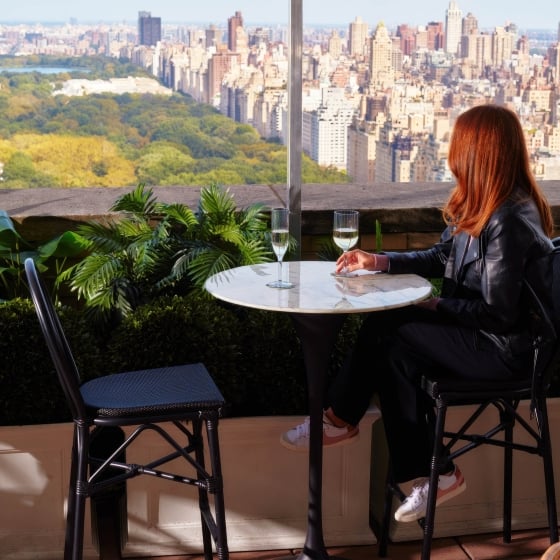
x,y
160,391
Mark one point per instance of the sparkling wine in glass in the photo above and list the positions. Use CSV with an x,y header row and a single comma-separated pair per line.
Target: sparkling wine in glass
x,y
280,233
345,232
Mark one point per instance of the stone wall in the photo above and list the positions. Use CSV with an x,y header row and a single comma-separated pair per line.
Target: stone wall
x,y
409,213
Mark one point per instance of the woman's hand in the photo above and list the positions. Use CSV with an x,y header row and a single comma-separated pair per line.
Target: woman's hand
x,y
358,259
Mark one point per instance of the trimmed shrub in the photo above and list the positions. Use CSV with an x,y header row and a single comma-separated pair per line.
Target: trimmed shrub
x,y
30,391
254,356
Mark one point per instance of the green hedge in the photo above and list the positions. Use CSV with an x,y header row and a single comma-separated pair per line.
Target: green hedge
x,y
254,356
29,390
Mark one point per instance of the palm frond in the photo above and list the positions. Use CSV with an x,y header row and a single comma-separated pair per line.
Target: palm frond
x,y
181,214
229,233
108,237
253,218
216,201
94,274
208,263
253,252
141,202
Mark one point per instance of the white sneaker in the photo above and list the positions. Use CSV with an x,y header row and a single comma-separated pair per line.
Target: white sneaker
x,y
297,439
415,505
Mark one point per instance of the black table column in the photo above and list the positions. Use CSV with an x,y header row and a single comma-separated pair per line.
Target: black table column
x,y
318,334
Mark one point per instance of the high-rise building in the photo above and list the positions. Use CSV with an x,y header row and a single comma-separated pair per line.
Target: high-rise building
x,y
218,66
435,36
362,141
503,43
483,51
326,129
469,24
381,58
554,57
335,45
233,23
357,38
213,37
149,29
453,24
407,39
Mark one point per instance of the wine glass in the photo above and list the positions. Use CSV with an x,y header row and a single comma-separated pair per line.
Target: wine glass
x,y
345,232
280,232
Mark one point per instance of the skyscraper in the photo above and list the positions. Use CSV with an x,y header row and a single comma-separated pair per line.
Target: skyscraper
x,y
357,37
149,29
327,128
233,23
453,24
469,24
381,58
212,36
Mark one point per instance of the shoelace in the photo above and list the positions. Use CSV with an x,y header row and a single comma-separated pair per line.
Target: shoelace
x,y
419,492
302,430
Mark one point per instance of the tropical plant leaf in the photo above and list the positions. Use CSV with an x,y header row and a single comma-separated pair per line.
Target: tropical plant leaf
x,y
182,215
141,202
69,244
9,237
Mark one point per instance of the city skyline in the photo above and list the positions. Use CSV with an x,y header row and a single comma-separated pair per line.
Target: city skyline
x,y
539,15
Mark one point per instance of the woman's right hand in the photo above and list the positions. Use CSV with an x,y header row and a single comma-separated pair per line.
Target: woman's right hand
x,y
358,259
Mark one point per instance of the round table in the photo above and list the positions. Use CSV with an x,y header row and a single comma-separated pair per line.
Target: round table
x,y
318,303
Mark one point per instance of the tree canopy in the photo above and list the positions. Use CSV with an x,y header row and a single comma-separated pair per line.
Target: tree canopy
x,y
121,140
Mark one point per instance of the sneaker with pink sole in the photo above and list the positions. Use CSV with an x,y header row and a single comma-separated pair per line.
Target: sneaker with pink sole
x,y
297,439
415,505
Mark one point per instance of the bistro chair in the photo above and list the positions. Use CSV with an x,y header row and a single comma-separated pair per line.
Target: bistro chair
x,y
168,401
504,399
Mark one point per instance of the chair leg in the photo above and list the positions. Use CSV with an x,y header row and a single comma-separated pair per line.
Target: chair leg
x,y
71,506
508,476
548,473
203,502
77,495
429,520
219,507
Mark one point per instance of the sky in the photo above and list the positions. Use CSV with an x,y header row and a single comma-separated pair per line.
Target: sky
x,y
527,14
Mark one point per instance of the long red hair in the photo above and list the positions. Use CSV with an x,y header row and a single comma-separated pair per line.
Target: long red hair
x,y
488,157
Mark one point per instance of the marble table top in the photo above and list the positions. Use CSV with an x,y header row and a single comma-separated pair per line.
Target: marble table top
x,y
316,289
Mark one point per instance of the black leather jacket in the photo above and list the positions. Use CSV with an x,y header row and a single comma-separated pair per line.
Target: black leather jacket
x,y
483,278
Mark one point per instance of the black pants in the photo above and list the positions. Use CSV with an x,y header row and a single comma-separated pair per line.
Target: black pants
x,y
393,349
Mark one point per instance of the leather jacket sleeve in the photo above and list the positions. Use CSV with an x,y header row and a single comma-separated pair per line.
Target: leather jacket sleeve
x,y
429,263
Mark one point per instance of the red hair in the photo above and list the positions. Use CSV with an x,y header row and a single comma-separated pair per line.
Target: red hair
x,y
488,157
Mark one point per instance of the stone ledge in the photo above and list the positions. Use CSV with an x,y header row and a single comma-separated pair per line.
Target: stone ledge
x,y
411,208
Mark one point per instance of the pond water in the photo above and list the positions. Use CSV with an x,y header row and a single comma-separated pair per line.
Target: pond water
x,y
42,69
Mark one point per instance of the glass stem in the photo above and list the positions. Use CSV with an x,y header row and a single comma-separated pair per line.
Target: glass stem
x,y
279,270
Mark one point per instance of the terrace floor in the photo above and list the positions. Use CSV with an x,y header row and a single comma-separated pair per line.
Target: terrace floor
x,y
525,545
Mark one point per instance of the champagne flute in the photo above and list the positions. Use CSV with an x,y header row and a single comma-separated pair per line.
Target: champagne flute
x,y
280,232
345,232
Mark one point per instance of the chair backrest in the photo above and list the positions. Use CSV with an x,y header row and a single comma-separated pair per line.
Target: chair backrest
x,y
57,343
555,271
546,327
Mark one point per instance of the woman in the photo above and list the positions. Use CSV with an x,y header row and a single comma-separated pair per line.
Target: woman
x,y
497,237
